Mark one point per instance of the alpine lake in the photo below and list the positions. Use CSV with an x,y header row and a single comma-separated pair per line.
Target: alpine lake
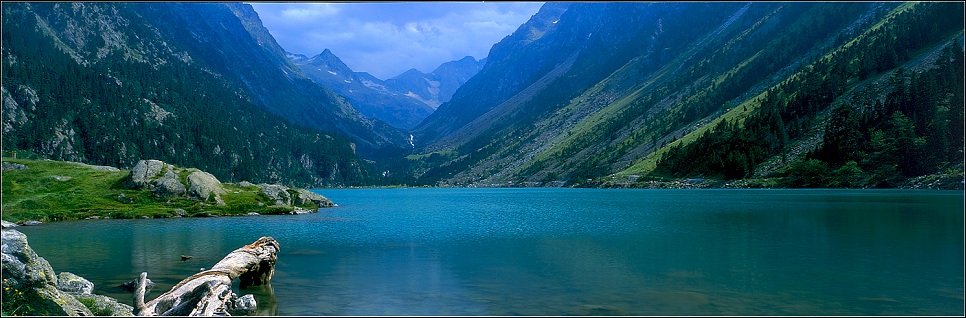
x,y
558,252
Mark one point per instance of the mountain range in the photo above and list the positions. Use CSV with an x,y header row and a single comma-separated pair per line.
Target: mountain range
x,y
624,94
402,101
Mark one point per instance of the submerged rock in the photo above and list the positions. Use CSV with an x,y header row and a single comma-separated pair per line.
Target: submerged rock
x,y
131,285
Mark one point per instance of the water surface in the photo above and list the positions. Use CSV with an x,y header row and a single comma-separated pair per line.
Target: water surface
x,y
561,252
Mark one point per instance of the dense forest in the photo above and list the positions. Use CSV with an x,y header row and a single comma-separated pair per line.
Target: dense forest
x,y
912,128
115,111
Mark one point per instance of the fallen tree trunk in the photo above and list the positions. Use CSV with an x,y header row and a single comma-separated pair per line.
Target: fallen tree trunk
x,y
208,293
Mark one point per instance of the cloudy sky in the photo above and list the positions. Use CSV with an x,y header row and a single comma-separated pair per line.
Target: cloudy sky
x,y
389,38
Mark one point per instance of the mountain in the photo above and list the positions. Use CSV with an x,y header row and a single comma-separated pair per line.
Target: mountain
x,y
438,86
194,84
402,101
636,94
366,93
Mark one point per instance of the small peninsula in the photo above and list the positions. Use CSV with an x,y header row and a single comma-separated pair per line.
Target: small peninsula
x,y
45,190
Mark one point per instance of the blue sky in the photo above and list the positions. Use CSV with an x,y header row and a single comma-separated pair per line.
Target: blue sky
x,y
388,38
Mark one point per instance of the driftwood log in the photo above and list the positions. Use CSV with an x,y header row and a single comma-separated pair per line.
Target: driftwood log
x,y
208,293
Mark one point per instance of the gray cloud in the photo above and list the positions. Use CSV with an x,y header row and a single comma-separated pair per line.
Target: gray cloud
x,y
386,39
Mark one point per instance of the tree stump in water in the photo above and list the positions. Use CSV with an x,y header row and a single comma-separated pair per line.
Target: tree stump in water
x,y
208,293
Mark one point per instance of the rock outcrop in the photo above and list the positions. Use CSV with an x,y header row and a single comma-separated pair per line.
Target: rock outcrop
x,y
205,186
282,195
30,287
6,166
167,180
164,180
29,280
71,283
158,177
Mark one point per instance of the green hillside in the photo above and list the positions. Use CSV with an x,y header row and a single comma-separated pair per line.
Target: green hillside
x,y
49,190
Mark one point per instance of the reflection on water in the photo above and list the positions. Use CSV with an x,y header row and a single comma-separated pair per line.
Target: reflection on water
x,y
562,252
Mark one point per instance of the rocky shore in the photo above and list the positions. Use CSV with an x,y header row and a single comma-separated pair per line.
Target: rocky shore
x,y
31,287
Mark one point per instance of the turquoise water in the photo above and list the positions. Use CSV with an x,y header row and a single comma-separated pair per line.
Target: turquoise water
x,y
561,252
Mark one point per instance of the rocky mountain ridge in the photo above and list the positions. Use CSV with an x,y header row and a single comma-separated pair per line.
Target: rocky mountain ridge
x,y
402,101
368,94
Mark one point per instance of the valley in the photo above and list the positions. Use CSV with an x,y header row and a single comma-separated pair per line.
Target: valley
x,y
581,95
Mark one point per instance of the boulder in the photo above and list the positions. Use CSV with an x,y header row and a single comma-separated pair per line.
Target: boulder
x,y
156,176
245,184
299,210
306,196
68,282
277,193
168,184
7,166
145,171
33,280
32,223
203,185
105,306
242,306
8,225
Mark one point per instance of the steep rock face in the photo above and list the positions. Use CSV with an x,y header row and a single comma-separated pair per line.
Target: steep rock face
x,y
366,93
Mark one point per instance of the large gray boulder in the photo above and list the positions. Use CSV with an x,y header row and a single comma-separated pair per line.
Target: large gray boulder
x,y
277,193
309,196
204,185
71,283
145,171
158,177
33,280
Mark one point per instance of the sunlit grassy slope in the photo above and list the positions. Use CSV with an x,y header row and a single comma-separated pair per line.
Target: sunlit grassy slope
x,y
57,190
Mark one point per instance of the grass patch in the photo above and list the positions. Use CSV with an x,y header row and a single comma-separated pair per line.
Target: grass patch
x,y
57,190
